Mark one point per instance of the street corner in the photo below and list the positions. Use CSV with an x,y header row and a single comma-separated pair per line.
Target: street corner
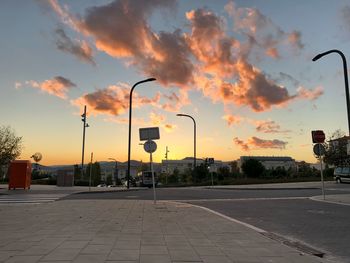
x,y
339,199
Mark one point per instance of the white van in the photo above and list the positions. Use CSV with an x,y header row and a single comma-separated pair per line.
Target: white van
x,y
342,174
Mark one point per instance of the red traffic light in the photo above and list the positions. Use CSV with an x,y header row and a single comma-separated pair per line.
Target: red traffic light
x,y
318,136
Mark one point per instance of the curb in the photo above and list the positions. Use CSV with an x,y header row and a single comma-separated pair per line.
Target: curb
x,y
319,198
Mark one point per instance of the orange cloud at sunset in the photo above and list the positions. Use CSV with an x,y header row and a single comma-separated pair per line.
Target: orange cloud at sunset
x,y
269,127
309,94
257,143
254,89
231,119
206,58
80,49
174,102
113,100
262,31
58,86
159,119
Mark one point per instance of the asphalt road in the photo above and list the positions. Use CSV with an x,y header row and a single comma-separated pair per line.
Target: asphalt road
x,y
287,212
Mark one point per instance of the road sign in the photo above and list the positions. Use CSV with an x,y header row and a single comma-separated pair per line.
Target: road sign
x,y
150,146
319,149
151,133
318,136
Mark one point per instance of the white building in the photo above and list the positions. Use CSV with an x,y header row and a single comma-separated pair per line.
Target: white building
x,y
271,162
168,166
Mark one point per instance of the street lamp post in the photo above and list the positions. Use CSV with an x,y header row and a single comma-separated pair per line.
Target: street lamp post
x,y
85,125
130,110
115,170
345,78
194,133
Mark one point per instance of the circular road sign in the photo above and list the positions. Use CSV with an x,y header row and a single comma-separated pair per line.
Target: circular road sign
x,y
319,149
318,136
150,146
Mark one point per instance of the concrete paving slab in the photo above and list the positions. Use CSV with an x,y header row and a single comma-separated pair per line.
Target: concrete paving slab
x,y
132,231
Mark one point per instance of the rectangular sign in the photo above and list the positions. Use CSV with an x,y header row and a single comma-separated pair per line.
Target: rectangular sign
x,y
151,133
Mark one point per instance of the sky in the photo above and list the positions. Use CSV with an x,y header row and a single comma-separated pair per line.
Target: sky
x,y
242,69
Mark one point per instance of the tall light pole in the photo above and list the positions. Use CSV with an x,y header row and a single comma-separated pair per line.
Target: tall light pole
x,y
194,133
85,125
345,78
130,110
115,170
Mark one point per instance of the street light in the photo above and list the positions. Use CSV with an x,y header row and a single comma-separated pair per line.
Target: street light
x,y
345,77
130,109
194,128
115,170
85,125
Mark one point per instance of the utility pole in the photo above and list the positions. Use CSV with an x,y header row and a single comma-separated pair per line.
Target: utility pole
x,y
85,125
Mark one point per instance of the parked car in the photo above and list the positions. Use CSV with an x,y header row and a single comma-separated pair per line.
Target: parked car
x,y
342,174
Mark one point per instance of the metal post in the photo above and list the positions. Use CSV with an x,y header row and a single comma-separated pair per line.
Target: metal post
x,y
321,163
92,154
167,169
345,78
153,183
194,139
130,111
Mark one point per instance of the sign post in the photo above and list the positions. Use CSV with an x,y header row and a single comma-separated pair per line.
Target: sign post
x,y
318,137
149,134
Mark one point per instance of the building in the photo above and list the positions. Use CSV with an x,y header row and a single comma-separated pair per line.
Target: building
x,y
339,143
271,162
120,171
168,166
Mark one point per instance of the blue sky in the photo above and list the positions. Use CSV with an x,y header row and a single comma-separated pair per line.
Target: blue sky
x,y
242,69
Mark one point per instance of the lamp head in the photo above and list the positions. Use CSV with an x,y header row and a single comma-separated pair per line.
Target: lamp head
x,y
151,79
317,57
179,114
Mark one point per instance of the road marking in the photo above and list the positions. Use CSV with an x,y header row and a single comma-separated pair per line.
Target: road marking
x,y
27,199
242,199
231,219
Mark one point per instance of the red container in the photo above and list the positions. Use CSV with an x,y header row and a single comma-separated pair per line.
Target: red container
x,y
20,172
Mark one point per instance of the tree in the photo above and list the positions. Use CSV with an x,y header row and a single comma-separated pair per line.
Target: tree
x,y
109,179
223,172
253,168
10,145
95,173
336,149
234,167
200,173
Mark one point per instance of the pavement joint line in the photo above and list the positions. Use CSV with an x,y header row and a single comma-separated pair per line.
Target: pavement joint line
x,y
318,199
297,245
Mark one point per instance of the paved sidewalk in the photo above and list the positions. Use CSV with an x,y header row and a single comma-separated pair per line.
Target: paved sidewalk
x,y
131,231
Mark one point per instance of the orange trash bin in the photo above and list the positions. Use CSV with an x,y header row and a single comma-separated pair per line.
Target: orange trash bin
x,y
20,174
